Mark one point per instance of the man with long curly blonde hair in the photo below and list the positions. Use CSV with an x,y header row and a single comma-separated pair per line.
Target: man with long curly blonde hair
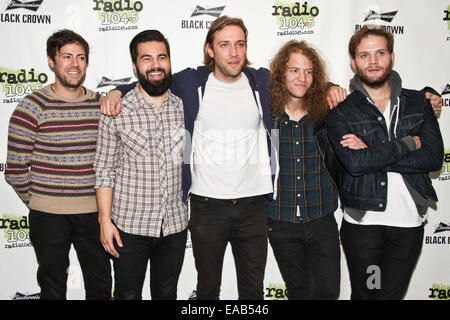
x,y
314,101
302,229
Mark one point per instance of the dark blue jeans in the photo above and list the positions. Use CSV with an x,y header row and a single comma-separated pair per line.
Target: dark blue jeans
x,y
308,256
380,259
243,223
52,236
166,256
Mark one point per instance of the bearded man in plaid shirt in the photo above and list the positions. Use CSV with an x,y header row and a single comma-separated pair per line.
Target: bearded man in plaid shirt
x,y
138,177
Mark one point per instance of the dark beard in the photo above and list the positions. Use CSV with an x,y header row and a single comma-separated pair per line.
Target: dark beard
x,y
155,88
375,84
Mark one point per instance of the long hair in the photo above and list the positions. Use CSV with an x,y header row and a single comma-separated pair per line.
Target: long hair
x,y
314,101
218,25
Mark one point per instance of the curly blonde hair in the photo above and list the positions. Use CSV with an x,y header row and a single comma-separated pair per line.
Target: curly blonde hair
x,y
314,101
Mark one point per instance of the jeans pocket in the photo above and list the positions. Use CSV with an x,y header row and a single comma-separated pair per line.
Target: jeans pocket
x,y
273,226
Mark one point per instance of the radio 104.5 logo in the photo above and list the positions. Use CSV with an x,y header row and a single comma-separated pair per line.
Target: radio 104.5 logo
x,y
16,231
294,18
445,171
118,15
17,83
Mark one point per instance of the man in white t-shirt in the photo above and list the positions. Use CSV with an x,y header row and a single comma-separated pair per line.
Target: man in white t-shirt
x,y
230,169
388,140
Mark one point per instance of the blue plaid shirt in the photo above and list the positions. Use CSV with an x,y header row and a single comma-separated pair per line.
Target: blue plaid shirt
x,y
303,180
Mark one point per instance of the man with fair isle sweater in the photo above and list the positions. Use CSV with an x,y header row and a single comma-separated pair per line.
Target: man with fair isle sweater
x,y
51,149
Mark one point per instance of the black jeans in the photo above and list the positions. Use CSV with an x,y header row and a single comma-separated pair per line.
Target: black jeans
x,y
243,223
166,256
308,256
52,236
380,259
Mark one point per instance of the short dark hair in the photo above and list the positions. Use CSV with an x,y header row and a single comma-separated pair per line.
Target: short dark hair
x,y
367,30
147,36
62,37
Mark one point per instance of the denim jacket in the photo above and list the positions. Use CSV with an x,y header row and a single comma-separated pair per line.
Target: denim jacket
x,y
363,181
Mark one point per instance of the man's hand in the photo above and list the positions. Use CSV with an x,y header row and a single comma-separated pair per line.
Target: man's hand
x,y
418,142
109,233
353,142
111,104
436,102
335,95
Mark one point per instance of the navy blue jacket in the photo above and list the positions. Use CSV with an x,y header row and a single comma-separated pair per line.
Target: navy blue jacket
x,y
189,85
363,184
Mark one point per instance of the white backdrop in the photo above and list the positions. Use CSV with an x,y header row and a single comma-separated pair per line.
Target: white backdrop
x,y
422,38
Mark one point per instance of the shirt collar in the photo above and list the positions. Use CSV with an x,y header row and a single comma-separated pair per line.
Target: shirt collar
x,y
285,120
170,99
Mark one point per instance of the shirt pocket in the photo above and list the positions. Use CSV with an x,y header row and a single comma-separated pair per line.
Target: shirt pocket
x,y
368,131
136,143
410,124
177,142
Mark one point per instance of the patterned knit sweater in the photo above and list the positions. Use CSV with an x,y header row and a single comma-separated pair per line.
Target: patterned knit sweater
x,y
51,150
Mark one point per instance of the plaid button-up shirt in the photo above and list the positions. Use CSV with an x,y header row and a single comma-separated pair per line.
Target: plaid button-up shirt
x,y
139,154
305,190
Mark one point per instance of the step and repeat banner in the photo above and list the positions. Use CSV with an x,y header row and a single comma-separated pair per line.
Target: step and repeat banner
x,y
421,30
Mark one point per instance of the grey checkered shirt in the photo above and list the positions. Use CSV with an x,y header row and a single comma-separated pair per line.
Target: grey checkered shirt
x,y
139,154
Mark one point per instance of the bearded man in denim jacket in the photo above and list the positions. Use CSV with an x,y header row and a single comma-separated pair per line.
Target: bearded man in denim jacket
x,y
387,140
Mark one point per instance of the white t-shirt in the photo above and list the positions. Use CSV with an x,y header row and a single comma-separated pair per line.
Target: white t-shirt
x,y
229,156
401,210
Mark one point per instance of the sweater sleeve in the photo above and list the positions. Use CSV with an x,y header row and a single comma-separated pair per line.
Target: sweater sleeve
x,y
22,131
